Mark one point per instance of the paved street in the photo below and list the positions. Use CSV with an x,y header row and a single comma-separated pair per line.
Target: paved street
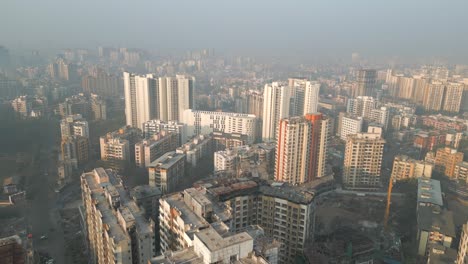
x,y
42,212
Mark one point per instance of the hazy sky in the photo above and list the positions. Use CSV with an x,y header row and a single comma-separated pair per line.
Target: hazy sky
x,y
326,27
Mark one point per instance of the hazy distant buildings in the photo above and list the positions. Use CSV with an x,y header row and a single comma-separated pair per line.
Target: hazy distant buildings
x,y
10,89
304,96
4,57
102,83
22,105
91,107
148,97
98,108
361,106
363,161
365,80
443,96
453,97
433,97
255,103
62,70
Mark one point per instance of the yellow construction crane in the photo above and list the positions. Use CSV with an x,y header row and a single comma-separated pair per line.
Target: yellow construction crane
x,y
389,201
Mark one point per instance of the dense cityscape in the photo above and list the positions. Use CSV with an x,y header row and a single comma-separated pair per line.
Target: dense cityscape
x,y
115,154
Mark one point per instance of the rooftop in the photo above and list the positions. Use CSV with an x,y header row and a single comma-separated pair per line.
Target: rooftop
x,y
176,200
433,218
429,191
185,256
442,255
227,187
167,160
102,181
214,241
222,113
143,191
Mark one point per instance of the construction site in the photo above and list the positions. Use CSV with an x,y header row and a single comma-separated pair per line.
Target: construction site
x,y
350,228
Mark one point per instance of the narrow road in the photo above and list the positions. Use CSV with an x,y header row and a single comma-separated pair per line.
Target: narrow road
x,y
43,213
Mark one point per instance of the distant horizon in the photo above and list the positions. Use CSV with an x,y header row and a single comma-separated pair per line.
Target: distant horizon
x,y
305,29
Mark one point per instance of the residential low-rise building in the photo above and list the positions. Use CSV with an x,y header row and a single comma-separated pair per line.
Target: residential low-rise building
x,y
256,160
156,126
118,147
462,257
284,212
74,125
75,148
167,171
446,159
148,150
461,171
224,141
405,168
196,150
117,229
206,122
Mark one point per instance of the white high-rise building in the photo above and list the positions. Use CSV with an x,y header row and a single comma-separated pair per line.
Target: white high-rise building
x,y
349,124
176,95
140,98
297,88
311,97
381,116
361,106
205,122
148,97
276,99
